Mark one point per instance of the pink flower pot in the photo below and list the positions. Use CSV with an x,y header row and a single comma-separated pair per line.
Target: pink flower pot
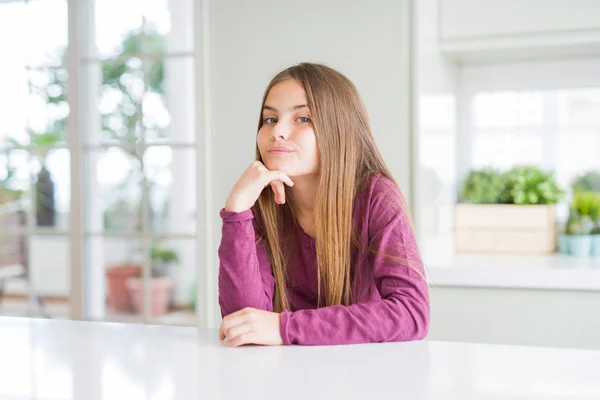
x,y
160,294
118,296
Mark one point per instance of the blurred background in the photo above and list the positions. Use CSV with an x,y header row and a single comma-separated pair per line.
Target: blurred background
x,y
124,125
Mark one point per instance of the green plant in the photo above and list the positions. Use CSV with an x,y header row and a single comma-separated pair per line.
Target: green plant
x,y
530,185
572,221
483,186
162,257
588,182
595,206
163,254
584,214
587,204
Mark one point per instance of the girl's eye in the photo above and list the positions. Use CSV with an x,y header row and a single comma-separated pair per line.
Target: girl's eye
x,y
269,121
303,120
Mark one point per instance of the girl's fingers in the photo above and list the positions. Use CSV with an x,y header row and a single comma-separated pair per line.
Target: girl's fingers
x,y
244,338
234,319
279,191
280,176
238,330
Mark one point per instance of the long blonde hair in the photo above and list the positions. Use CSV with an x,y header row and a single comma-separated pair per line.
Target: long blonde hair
x,y
348,158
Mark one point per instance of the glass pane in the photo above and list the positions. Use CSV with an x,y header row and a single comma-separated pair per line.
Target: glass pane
x,y
173,284
50,274
13,75
118,27
38,265
507,109
52,184
14,255
114,192
171,287
169,103
169,26
47,107
13,24
156,26
506,149
152,27
580,107
47,31
171,175
121,261
575,159
15,180
120,101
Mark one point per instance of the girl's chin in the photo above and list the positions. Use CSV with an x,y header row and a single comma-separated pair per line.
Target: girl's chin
x,y
287,169
276,165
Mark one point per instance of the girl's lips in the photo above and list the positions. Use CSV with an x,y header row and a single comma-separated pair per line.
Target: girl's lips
x,y
280,151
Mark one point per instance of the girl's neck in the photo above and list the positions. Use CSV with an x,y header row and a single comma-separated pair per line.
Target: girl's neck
x,y
304,192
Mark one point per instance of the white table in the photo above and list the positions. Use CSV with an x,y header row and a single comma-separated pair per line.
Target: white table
x,y
51,359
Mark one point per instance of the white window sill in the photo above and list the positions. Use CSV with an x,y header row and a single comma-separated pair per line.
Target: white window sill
x,y
543,272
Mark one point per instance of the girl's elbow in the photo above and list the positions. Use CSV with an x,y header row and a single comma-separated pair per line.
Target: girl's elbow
x,y
421,315
413,319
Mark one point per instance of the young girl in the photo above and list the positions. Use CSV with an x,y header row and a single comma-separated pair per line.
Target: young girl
x,y
326,254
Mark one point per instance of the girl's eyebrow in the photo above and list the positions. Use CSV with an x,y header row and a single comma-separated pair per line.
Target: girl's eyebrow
x,y
299,106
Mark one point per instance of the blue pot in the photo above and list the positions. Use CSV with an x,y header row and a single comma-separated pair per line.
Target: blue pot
x,y
563,244
580,245
596,245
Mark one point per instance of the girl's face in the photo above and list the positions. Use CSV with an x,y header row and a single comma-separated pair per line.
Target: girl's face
x,y
286,140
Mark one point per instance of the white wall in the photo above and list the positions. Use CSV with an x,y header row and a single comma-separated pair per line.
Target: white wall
x,y
251,41
476,18
520,317
481,31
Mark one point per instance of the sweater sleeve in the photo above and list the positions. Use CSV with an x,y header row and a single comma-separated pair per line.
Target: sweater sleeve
x,y
401,314
245,278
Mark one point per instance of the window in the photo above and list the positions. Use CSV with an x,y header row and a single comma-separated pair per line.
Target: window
x,y
139,147
559,129
34,159
502,115
137,128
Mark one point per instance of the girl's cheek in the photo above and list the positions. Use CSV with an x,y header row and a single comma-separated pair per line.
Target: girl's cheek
x,y
308,138
262,134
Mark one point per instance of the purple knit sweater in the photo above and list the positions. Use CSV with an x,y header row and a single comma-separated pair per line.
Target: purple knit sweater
x,y
391,300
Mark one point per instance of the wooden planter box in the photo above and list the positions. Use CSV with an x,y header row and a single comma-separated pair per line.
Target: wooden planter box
x,y
504,228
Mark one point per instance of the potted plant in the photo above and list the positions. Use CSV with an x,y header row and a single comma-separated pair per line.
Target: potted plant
x,y
595,231
564,240
578,231
483,186
582,223
510,212
160,286
117,275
